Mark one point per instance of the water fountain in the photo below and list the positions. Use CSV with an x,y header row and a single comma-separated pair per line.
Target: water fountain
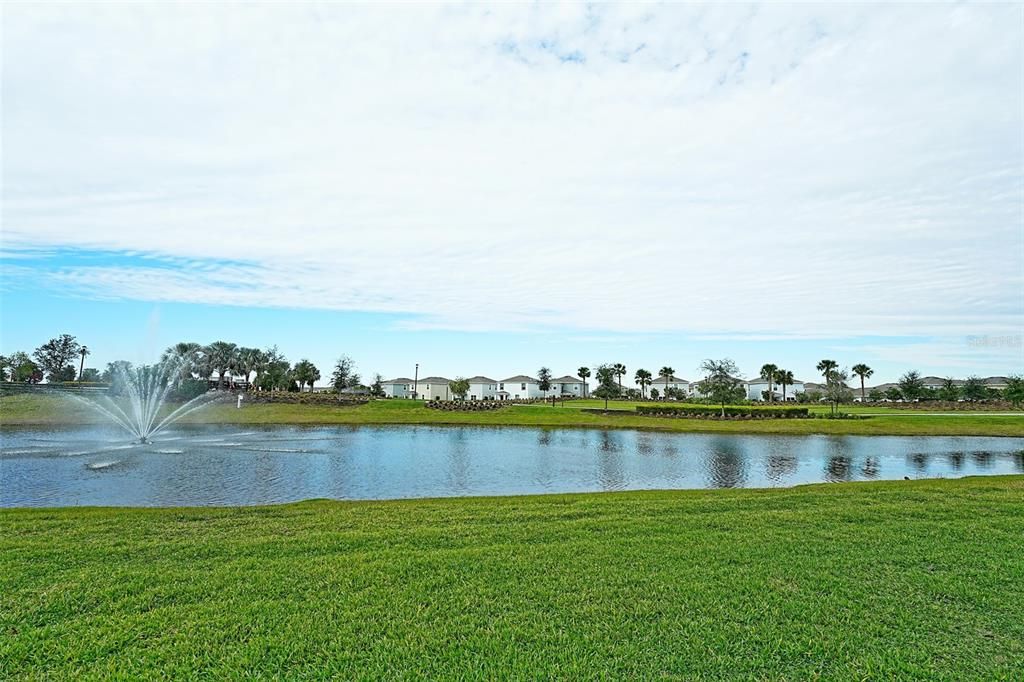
x,y
138,396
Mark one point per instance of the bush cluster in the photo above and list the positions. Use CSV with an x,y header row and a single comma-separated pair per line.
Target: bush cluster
x,y
467,405
303,398
709,412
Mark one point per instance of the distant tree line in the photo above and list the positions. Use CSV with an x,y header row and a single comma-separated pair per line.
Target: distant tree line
x,y
269,370
195,364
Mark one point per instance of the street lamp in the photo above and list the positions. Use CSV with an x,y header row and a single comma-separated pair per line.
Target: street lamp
x,y
416,381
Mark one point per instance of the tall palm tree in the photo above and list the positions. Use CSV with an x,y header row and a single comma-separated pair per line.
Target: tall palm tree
x,y
245,361
81,366
187,355
826,367
666,374
768,374
583,373
259,365
620,371
643,379
863,371
783,377
221,356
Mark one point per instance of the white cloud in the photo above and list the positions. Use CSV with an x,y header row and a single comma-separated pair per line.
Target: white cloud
x,y
796,171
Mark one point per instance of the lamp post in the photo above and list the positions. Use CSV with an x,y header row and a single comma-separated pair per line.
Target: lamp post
x,y
416,381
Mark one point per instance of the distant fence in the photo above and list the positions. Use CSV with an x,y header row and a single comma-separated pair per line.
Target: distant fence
x,y
24,387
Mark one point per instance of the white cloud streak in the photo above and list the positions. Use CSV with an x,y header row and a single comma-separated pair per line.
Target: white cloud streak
x,y
772,170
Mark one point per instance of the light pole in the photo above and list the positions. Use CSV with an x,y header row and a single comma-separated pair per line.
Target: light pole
x,y
416,381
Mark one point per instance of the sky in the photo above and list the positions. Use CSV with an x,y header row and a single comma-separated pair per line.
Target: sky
x,y
486,189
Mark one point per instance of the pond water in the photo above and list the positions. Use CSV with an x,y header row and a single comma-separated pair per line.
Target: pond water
x,y
229,465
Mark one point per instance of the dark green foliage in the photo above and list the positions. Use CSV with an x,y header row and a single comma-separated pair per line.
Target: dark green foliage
x,y
1014,391
730,411
974,388
911,385
56,355
460,387
188,389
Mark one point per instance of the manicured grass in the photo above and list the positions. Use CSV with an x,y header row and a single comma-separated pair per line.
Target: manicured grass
x,y
47,410
892,580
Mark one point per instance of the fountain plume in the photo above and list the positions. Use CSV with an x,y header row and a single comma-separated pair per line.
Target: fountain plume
x,y
137,396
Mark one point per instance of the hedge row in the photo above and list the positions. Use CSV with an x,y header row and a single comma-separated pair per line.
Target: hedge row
x,y
466,405
302,398
709,412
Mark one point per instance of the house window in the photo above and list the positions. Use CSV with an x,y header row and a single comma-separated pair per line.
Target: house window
x,y
503,387
522,387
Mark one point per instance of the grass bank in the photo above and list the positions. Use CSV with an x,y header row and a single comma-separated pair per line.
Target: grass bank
x,y
47,410
900,580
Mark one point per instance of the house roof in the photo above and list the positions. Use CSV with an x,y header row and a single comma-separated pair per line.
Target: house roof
x,y
434,380
481,380
774,383
990,381
672,380
567,380
521,378
399,380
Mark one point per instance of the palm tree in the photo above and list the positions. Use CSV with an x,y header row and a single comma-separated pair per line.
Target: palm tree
x,y
863,371
826,367
221,355
643,379
245,362
666,374
259,365
783,377
81,367
187,355
768,374
583,373
620,371
303,373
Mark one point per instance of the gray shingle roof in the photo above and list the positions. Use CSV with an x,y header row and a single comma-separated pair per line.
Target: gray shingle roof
x,y
399,380
482,380
567,380
522,378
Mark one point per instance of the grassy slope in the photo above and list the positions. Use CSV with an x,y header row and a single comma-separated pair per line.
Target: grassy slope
x,y
851,581
20,409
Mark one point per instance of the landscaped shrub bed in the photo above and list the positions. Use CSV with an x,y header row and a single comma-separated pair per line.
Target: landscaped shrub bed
x,y
303,398
709,412
467,405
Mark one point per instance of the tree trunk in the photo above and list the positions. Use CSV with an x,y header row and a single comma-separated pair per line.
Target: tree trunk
x,y
81,368
862,388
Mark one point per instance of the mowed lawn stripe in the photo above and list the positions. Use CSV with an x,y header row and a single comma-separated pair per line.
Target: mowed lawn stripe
x,y
899,579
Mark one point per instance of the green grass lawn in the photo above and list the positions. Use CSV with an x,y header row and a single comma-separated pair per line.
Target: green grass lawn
x,y
891,580
43,410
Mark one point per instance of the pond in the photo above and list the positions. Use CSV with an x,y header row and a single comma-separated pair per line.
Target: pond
x,y
229,465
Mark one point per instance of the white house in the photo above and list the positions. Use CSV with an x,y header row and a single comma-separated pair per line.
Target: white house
x,y
482,388
568,386
519,387
397,388
433,388
756,387
661,383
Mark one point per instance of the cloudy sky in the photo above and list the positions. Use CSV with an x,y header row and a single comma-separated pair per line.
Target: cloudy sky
x,y
489,188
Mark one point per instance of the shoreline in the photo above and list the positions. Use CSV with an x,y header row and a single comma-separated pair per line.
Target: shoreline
x,y
737,430
53,412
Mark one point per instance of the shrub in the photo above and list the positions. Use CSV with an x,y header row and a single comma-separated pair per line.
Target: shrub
x,y
709,412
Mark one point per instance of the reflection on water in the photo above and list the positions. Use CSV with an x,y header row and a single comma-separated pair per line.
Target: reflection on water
x,y
221,465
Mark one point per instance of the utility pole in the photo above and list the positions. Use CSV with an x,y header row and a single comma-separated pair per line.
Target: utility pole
x,y
416,382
